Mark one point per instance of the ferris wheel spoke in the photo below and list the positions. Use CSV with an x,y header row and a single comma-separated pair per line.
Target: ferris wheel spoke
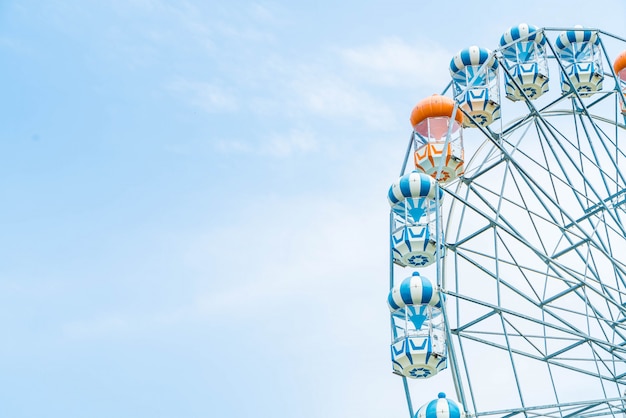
x,y
604,291
563,326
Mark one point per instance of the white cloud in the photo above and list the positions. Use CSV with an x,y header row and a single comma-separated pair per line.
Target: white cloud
x,y
294,142
262,13
344,84
206,96
336,98
234,146
283,145
338,250
396,62
15,44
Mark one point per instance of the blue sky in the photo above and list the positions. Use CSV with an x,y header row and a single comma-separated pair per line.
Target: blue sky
x,y
194,216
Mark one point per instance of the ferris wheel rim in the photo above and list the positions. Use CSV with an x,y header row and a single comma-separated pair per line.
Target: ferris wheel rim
x,y
508,173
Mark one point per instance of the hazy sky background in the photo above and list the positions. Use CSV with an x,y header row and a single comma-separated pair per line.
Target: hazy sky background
x,y
194,214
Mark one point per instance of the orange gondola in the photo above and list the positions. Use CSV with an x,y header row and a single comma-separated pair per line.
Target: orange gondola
x,y
437,121
620,70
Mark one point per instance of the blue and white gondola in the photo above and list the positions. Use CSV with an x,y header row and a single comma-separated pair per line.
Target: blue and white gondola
x,y
441,407
579,50
522,48
413,200
476,89
414,290
418,347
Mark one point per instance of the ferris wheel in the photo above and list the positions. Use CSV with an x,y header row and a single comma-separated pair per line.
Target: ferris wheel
x,y
508,253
